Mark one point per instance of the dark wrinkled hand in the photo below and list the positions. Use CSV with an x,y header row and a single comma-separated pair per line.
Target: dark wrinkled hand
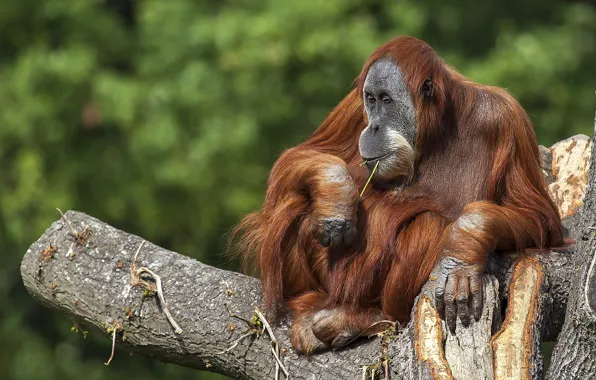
x,y
336,232
334,201
458,291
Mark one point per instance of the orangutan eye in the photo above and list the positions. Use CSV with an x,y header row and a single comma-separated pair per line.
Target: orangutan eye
x,y
386,98
427,88
370,98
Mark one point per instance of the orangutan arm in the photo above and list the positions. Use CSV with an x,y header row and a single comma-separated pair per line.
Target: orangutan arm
x,y
327,184
482,228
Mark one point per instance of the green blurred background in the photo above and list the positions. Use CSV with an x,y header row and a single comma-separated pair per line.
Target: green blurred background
x,y
162,117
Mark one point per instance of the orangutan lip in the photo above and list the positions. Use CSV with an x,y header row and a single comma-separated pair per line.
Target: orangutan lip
x,y
379,158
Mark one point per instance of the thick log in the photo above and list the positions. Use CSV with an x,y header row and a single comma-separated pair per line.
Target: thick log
x,y
90,282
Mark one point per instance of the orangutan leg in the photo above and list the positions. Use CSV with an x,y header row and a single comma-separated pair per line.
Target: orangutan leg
x,y
316,328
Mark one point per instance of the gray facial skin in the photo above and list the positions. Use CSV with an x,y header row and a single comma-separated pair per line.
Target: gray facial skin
x,y
390,135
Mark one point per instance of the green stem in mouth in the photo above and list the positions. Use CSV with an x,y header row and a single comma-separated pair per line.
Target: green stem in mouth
x,y
369,178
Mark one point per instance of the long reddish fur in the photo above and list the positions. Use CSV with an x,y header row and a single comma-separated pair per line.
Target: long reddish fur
x,y
476,153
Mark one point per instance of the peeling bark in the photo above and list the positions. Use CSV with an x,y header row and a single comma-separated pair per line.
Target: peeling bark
x,y
516,347
428,338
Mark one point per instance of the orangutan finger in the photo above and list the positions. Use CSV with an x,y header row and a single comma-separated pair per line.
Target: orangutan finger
x,y
476,295
450,306
440,294
463,291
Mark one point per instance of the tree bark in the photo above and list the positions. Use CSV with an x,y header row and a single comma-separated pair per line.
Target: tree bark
x,y
85,268
574,356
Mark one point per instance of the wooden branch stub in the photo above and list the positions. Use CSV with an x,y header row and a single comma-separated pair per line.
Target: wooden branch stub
x,y
428,340
514,348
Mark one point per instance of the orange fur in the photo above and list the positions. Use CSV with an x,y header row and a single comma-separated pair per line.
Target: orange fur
x,y
477,188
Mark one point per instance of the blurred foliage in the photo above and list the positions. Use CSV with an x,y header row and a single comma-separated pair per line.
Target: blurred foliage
x,y
163,118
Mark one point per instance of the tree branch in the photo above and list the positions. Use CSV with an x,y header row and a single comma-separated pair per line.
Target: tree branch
x,y
90,282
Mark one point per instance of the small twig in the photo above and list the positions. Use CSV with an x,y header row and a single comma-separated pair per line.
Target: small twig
x,y
274,351
232,315
75,233
135,279
266,325
113,346
252,330
134,258
384,346
236,342
274,342
134,275
369,178
157,280
393,324
80,237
